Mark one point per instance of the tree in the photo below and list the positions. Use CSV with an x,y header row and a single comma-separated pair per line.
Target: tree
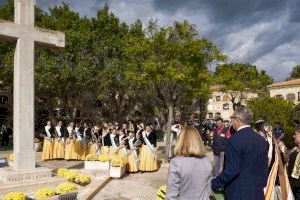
x,y
236,79
171,65
295,73
274,110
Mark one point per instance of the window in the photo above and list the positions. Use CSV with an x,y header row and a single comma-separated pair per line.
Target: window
x,y
226,106
279,96
291,97
218,98
3,100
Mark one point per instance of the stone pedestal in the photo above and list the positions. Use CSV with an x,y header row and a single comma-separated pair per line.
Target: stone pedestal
x,y
11,176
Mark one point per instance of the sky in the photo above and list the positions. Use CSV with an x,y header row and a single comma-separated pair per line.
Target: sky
x,y
265,33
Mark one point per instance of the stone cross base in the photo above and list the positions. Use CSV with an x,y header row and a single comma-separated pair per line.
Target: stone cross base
x,y
11,176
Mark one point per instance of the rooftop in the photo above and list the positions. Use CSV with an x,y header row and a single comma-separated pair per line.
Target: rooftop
x,y
284,84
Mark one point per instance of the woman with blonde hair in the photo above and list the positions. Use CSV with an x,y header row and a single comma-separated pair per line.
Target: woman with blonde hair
x,y
190,170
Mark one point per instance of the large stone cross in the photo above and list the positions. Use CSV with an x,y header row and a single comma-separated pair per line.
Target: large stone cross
x,y
26,34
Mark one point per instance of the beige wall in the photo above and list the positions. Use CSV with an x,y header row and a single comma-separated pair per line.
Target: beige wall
x,y
214,106
285,91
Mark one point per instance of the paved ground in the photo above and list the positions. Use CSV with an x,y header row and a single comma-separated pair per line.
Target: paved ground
x,y
138,186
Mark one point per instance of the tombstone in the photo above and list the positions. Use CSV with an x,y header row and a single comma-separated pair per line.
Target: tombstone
x,y
26,34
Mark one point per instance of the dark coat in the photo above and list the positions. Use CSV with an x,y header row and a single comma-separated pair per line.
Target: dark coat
x,y
246,166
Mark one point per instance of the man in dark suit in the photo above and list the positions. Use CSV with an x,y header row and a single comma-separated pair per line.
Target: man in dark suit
x,y
246,161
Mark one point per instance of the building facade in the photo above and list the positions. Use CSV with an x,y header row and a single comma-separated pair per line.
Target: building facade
x,y
288,90
220,105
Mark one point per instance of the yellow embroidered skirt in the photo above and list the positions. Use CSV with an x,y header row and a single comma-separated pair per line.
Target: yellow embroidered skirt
x,y
148,162
105,150
59,150
79,150
47,150
132,165
92,148
113,153
70,153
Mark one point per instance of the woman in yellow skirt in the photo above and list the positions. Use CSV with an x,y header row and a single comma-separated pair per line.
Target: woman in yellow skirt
x,y
48,142
114,139
105,140
94,147
132,153
59,148
79,143
70,153
148,162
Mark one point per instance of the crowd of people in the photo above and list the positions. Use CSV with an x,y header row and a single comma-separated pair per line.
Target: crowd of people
x,y
135,141
250,162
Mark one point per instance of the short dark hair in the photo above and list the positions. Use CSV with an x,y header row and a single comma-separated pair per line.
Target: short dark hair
x,y
220,119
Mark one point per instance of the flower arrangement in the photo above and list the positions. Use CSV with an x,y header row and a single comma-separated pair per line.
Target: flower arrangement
x,y
74,176
118,161
64,188
71,175
91,157
62,172
82,179
11,157
104,158
44,193
15,196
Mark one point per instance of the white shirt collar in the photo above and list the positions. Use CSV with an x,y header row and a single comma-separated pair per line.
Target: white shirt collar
x,y
242,127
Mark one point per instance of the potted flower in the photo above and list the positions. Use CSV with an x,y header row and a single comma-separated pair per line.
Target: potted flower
x,y
71,175
117,167
67,191
46,193
62,172
37,145
82,179
96,162
11,159
15,196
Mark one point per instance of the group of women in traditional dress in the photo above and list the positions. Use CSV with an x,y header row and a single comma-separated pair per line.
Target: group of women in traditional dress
x,y
132,140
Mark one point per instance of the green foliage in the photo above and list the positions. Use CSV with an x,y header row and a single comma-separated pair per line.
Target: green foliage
x,y
295,73
274,110
238,78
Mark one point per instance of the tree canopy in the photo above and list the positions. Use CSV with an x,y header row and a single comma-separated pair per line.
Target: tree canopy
x,y
237,79
295,73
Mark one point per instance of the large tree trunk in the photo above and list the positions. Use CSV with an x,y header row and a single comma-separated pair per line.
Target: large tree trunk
x,y
168,131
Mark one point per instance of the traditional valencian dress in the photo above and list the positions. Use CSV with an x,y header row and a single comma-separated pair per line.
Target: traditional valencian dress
x,y
277,171
79,144
59,144
113,150
86,138
106,143
132,153
94,145
48,144
70,153
148,162
123,151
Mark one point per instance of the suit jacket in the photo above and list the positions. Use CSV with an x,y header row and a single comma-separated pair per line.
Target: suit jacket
x,y
245,171
189,179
